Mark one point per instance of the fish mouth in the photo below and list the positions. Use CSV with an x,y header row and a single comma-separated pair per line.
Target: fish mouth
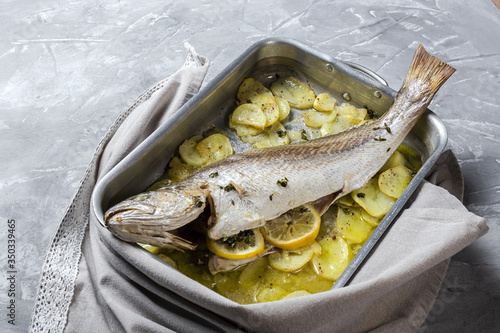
x,y
138,223
157,218
126,212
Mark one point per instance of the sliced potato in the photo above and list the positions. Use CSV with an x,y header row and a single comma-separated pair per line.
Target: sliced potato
x,y
189,154
346,200
297,293
271,293
284,108
413,158
394,181
316,119
339,124
397,158
334,258
253,272
293,260
374,201
298,94
374,221
269,107
250,88
295,136
249,114
242,130
325,103
348,110
214,148
351,225
178,171
276,135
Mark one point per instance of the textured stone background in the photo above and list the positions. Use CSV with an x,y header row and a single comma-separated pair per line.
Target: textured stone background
x,y
69,68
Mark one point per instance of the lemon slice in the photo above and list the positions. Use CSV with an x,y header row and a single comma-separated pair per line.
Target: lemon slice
x,y
296,228
246,244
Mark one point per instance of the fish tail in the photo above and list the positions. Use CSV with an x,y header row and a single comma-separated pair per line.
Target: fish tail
x,y
429,70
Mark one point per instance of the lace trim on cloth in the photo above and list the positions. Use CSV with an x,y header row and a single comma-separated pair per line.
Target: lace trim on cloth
x,y
60,267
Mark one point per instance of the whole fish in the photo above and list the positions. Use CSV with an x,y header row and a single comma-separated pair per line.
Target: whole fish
x,y
245,190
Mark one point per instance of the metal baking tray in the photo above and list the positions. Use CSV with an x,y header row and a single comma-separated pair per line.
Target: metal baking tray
x,y
213,104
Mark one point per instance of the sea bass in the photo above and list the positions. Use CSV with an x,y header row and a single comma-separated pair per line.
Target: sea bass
x,y
245,190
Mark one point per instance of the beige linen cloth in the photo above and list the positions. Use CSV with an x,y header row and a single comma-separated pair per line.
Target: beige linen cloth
x,y
94,282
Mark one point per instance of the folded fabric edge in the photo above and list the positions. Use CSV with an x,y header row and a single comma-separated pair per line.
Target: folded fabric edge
x,y
55,287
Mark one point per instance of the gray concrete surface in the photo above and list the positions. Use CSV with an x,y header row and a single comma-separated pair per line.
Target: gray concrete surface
x,y
69,68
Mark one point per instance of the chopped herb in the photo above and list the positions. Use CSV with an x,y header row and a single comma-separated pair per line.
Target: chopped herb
x,y
371,114
281,133
230,187
213,174
271,197
360,195
283,182
386,127
232,202
244,236
388,149
303,210
303,134
346,210
197,201
379,138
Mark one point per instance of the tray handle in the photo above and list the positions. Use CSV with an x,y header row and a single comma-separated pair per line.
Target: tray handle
x,y
366,71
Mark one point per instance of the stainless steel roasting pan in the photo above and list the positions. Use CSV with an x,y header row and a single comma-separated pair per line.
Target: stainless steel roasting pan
x,y
211,106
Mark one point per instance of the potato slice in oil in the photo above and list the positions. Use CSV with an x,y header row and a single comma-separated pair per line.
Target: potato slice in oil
x,y
374,201
374,221
276,135
348,110
293,260
397,158
347,200
334,258
284,108
253,272
339,124
298,94
316,119
325,103
297,293
269,107
351,224
271,293
189,154
394,180
214,148
178,171
250,88
243,130
249,114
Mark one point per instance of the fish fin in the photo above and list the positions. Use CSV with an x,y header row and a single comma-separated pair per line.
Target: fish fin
x,y
322,204
428,68
158,237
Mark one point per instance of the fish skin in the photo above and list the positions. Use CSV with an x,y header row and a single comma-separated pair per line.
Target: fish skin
x,y
248,189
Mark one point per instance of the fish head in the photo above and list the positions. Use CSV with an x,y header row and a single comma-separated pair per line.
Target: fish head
x,y
152,217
